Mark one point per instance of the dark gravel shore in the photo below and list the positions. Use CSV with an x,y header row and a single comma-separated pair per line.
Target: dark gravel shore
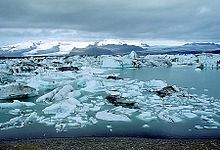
x,y
110,143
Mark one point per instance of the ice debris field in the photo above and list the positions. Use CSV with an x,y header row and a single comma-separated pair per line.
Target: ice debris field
x,y
76,92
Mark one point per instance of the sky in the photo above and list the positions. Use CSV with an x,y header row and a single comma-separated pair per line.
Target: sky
x,y
86,20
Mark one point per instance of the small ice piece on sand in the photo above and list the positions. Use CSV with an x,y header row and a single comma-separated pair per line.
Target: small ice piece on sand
x,y
108,116
190,115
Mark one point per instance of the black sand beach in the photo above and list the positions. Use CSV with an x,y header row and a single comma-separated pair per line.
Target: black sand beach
x,y
110,143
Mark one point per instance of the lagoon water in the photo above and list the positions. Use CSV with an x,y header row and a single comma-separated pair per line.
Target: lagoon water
x,y
205,83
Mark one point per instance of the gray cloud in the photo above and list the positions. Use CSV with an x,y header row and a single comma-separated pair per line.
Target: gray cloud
x,y
134,19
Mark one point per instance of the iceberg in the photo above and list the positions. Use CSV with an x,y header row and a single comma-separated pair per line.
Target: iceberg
x,y
16,92
16,104
108,116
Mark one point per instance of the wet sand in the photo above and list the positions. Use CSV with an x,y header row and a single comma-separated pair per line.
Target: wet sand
x,y
110,143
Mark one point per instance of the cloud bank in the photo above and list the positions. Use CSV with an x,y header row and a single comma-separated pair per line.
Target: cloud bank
x,y
196,20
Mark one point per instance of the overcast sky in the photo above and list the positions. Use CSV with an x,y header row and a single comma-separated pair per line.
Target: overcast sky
x,y
183,20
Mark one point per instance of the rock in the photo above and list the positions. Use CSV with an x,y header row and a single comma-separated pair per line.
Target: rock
x,y
114,78
68,68
166,91
201,67
136,63
113,99
17,91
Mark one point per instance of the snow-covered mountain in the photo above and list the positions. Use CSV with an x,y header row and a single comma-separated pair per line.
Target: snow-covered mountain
x,y
54,48
109,49
188,48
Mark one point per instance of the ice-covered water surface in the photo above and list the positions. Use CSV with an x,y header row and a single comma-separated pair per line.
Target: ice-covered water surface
x,y
108,97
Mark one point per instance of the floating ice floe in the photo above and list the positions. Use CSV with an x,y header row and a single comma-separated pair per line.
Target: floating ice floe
x,y
112,62
62,108
16,92
21,121
155,84
146,116
48,96
16,104
108,116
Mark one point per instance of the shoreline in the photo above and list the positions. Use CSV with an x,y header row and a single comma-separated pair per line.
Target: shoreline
x,y
82,143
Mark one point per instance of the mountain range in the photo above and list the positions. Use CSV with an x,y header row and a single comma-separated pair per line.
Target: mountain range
x,y
97,48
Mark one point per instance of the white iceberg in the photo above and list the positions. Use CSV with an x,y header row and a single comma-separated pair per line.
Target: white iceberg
x,y
108,116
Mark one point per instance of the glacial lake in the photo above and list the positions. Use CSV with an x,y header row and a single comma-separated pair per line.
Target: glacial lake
x,y
204,83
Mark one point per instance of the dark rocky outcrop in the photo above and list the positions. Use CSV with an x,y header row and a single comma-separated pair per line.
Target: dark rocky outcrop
x,y
166,91
114,100
114,78
68,68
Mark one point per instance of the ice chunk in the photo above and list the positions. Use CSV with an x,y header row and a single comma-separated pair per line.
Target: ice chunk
x,y
16,104
63,92
93,86
63,108
20,121
109,127
111,62
206,90
74,94
14,111
210,127
146,116
164,115
17,91
47,97
190,115
6,78
156,84
145,126
93,120
108,116
198,127
133,55
198,70
126,111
